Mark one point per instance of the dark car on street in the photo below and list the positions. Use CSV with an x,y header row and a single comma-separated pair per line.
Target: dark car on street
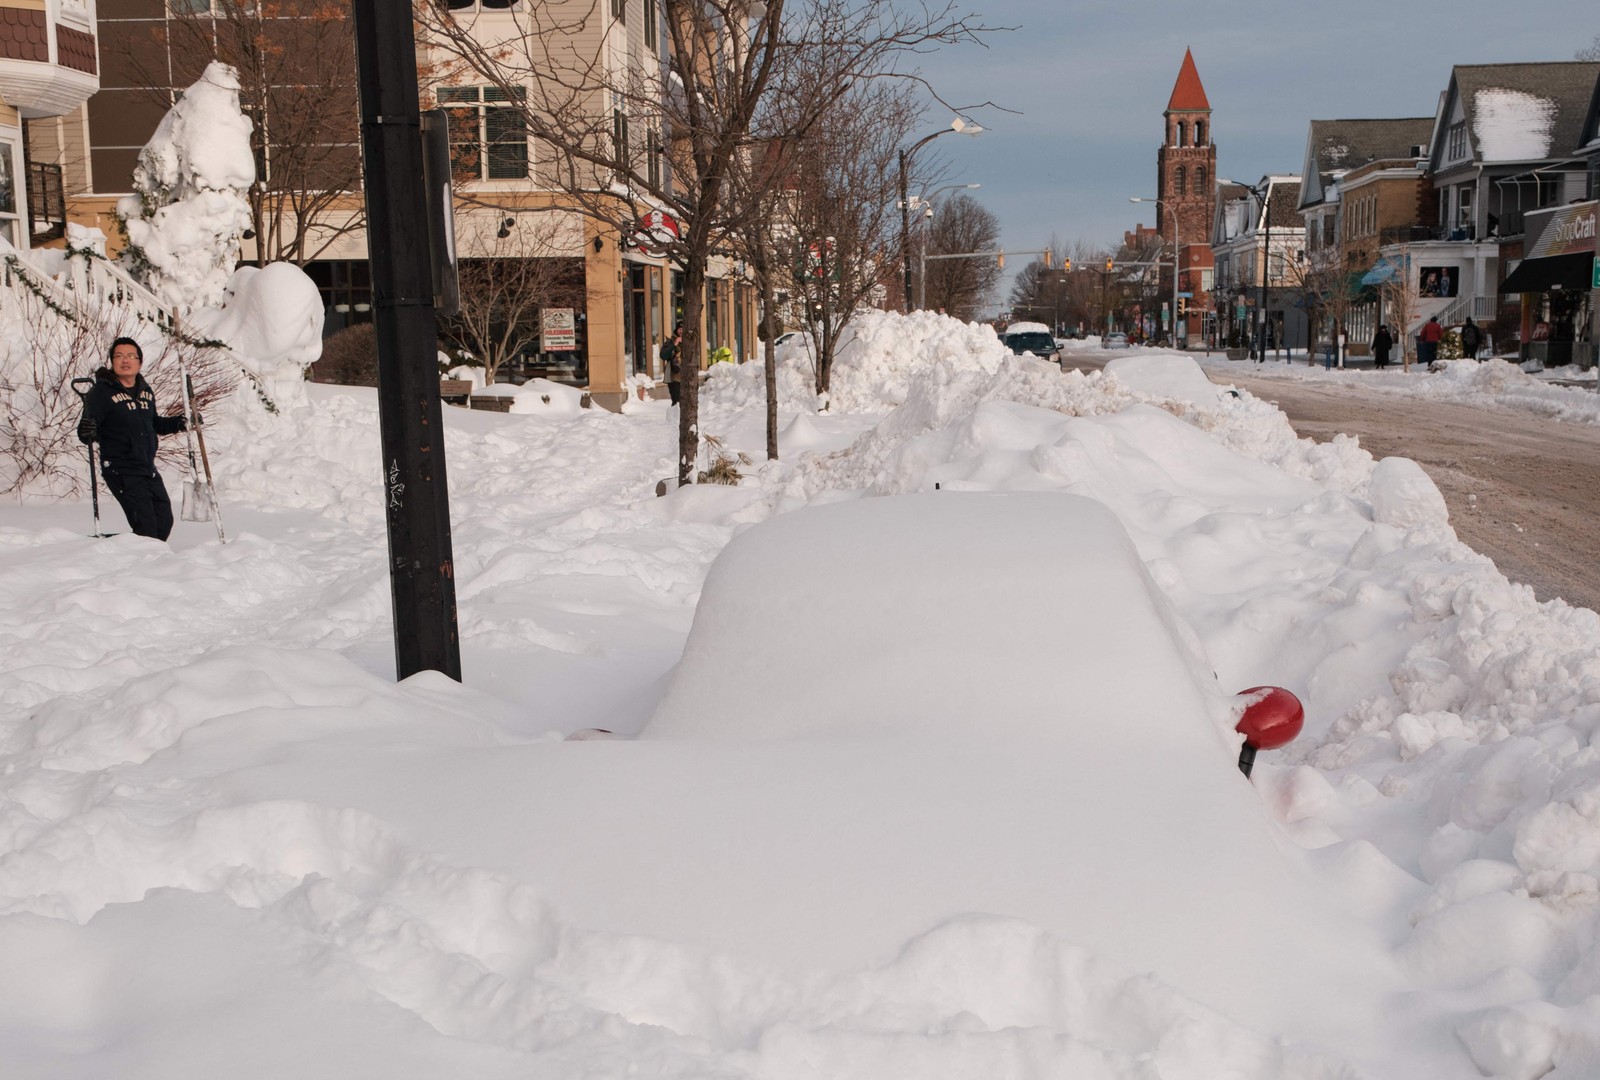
x,y
1032,338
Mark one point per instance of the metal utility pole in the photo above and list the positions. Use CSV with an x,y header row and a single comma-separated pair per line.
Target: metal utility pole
x,y
416,499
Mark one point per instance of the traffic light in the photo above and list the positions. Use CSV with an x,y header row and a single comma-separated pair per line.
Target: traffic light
x,y
1183,306
1049,258
1000,260
1109,263
1066,265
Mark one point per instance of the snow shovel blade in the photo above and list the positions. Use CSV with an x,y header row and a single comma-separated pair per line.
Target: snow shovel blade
x,y
196,501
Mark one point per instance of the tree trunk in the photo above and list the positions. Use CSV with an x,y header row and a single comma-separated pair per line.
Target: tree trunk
x,y
770,364
691,349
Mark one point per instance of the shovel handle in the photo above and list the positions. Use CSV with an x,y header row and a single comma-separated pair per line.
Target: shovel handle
x,y
82,385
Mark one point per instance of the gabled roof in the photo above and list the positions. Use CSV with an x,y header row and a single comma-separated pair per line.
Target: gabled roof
x,y
1284,197
1589,138
1187,93
1336,146
1522,112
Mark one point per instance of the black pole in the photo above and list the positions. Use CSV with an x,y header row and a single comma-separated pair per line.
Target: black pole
x,y
905,234
1266,268
416,499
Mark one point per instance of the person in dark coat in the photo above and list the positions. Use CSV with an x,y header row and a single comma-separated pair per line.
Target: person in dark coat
x,y
669,358
1471,339
120,414
1382,344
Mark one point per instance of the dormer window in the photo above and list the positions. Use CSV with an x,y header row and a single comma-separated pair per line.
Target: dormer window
x,y
1456,147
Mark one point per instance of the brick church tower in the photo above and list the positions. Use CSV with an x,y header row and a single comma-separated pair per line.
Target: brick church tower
x,y
1186,178
1186,164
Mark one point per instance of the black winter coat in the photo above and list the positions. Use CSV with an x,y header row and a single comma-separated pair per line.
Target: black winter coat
x,y
127,423
1381,344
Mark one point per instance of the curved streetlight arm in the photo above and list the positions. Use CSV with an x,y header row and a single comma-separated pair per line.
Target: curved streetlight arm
x,y
961,127
1262,193
1174,217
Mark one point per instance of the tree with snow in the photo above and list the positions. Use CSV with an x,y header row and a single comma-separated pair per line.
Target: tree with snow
x,y
190,205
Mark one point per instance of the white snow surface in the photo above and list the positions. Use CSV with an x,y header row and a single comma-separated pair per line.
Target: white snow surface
x,y
943,786
1512,125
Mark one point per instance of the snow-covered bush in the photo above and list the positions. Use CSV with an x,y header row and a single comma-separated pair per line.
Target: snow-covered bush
x,y
189,207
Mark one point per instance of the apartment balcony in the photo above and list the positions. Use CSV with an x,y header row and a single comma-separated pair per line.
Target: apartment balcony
x,y
48,62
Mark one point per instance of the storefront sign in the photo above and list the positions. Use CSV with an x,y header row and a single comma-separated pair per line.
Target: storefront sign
x,y
558,330
655,232
1566,230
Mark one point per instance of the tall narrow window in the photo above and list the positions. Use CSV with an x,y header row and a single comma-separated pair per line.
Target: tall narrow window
x,y
1178,179
653,165
1183,130
1199,132
1200,180
619,138
619,10
652,17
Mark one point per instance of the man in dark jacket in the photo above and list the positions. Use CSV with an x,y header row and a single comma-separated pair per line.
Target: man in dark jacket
x,y
1471,339
120,414
1382,342
673,363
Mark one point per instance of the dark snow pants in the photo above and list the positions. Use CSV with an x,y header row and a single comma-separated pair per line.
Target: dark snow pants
x,y
144,501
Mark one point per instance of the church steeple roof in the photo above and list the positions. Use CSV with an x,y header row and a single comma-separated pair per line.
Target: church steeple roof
x,y
1187,93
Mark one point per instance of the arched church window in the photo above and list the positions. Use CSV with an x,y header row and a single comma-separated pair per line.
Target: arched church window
x,y
1199,132
1200,180
1177,180
1182,130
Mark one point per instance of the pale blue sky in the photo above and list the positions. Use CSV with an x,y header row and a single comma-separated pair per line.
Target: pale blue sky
x,y
1091,78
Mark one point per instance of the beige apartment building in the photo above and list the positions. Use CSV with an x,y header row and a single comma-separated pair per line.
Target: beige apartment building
x,y
623,297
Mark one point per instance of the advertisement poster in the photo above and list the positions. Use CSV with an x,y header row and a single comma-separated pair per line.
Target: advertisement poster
x,y
1438,281
558,330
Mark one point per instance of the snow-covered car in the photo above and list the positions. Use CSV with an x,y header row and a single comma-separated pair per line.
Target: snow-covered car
x,y
786,337
1008,646
1114,341
1030,337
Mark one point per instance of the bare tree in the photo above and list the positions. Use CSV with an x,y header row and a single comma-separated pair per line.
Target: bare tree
x,y
960,287
1400,296
838,225
1590,51
501,297
297,75
624,145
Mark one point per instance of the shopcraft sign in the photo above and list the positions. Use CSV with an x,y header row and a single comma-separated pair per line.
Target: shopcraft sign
x,y
1566,230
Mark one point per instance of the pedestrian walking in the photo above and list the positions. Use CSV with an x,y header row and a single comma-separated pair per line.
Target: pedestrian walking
x,y
670,358
1429,340
119,412
1382,344
1471,339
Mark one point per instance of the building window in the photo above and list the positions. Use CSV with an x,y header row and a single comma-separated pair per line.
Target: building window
x,y
1199,132
619,10
466,5
9,217
652,18
653,164
1183,129
1456,147
1178,179
619,139
1200,180
488,133
1464,206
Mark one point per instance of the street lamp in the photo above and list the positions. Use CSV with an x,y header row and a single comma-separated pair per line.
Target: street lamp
x,y
1174,218
1261,193
926,201
961,127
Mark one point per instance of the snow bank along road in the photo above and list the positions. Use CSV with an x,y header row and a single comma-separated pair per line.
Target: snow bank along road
x,y
1520,488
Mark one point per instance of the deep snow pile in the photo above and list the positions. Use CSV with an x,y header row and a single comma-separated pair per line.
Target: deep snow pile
x,y
229,843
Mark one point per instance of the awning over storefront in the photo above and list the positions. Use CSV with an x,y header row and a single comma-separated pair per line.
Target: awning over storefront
x,y
1561,250
1558,272
1381,271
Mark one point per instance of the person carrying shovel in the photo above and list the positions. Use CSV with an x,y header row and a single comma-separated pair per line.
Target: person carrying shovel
x,y
119,412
